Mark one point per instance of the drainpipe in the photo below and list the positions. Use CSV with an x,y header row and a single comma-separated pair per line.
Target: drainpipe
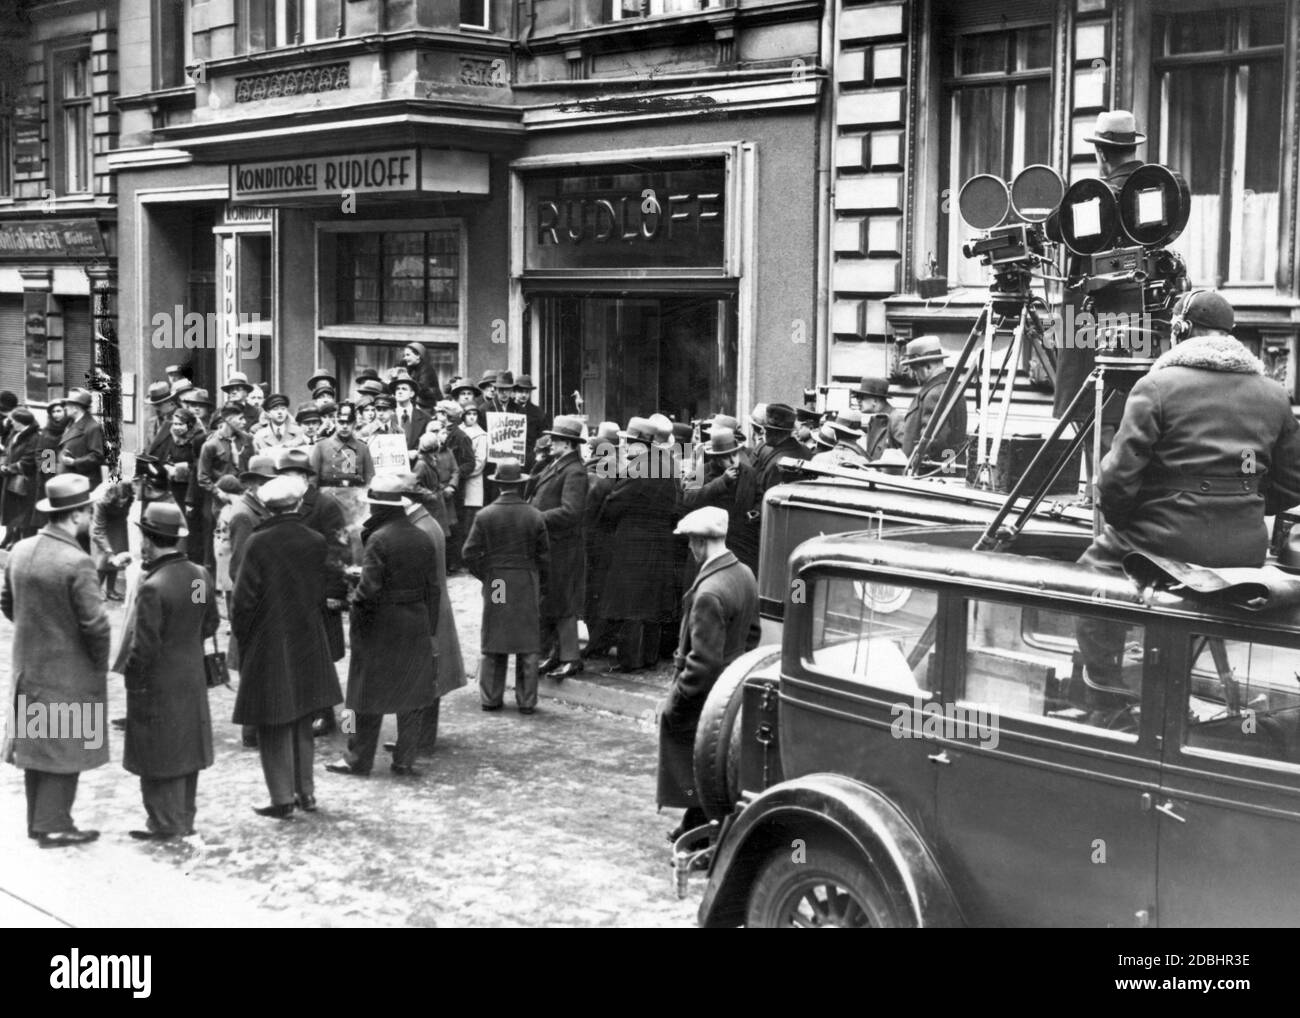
x,y
825,184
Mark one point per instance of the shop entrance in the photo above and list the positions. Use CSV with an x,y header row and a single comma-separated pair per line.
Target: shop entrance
x,y
626,355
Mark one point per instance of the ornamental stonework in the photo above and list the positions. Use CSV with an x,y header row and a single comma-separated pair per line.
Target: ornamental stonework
x,y
299,81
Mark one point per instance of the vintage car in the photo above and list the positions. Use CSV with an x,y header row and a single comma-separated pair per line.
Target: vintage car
x,y
927,748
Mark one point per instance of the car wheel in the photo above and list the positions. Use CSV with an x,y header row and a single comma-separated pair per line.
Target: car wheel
x,y
717,738
821,888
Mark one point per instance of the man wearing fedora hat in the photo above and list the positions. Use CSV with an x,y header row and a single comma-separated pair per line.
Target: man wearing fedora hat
x,y
161,402
199,403
1115,139
882,422
598,534
61,642
225,451
509,553
18,475
461,445
719,623
237,389
81,447
845,449
924,357
559,492
729,483
409,419
394,627
778,442
168,725
322,384
522,403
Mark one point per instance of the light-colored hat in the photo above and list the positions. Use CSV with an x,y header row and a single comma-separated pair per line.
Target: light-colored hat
x,y
848,422
508,471
387,489
566,426
260,466
65,491
641,430
707,522
198,397
606,431
81,397
722,442
663,427
238,380
922,349
280,494
159,393
1116,127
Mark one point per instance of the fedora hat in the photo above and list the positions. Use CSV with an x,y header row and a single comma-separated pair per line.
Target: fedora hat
x,y
259,467
505,380
320,380
682,432
639,430
606,431
508,471
779,417
387,489
711,521
826,437
237,380
402,377
663,427
1116,127
803,415
565,426
181,385
922,349
364,375
848,422
488,377
81,397
524,382
201,397
163,519
758,415
722,442
878,387
293,458
65,491
723,421
159,393
371,387
464,385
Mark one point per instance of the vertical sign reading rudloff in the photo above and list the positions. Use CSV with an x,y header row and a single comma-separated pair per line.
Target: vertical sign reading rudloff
x,y
507,436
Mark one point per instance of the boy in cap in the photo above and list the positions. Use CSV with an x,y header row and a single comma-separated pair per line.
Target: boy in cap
x,y
279,431
719,623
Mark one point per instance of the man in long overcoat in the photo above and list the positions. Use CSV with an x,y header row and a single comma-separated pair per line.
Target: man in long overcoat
x,y
286,672
508,551
640,584
60,660
719,623
925,357
168,726
226,450
597,536
18,476
559,492
394,623
81,447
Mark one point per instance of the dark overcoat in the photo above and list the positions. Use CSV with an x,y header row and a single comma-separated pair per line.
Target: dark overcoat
x,y
83,440
47,464
719,623
641,581
740,498
19,461
508,551
451,663
1206,448
322,512
952,436
60,648
767,464
168,726
597,536
108,533
182,457
559,493
394,614
285,668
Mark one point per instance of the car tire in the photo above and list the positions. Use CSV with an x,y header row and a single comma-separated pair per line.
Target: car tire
x,y
820,886
717,738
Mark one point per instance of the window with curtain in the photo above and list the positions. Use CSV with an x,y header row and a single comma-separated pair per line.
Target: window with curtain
x,y
399,278
1220,125
270,24
997,94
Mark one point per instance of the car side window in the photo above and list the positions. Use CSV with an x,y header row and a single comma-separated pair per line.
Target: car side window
x,y
1243,699
1062,667
875,633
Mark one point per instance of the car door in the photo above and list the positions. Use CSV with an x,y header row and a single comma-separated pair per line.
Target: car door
x,y
1044,800
1229,801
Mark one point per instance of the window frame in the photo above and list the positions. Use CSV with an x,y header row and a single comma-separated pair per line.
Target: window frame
x,y
59,59
7,173
166,48
485,25
307,16
1232,58
655,9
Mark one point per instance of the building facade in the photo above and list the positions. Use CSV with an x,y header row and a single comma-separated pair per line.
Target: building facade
x,y
620,199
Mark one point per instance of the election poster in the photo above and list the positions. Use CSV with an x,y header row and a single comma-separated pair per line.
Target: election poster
x,y
507,436
389,454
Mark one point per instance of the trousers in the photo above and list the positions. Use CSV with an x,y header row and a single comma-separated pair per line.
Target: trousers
x,y
364,741
49,801
492,679
638,644
170,803
287,753
560,636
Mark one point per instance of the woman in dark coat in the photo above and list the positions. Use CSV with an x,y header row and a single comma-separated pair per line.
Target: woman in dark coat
x,y
176,448
394,623
286,671
18,477
47,456
641,582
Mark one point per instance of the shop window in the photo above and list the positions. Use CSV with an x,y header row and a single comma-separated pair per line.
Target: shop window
x,y
72,129
623,10
406,278
475,14
270,24
997,95
1219,113
1243,700
171,40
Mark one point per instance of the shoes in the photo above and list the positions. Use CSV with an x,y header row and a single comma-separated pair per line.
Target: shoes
x,y
61,839
489,706
624,670
322,727
153,835
567,669
527,710
404,771
547,665
281,811
306,803
341,766
112,595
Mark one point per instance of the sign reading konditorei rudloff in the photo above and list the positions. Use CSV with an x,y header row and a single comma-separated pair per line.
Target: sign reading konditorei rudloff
x,y
395,171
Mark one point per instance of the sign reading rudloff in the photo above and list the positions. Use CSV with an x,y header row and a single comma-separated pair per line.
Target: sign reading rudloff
x,y
394,171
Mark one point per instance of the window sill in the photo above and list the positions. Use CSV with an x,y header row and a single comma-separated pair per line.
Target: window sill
x,y
390,333
180,97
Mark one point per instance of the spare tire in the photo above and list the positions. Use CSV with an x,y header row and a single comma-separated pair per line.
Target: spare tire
x,y
717,739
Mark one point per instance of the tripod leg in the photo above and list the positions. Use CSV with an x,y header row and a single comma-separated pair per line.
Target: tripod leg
x,y
956,382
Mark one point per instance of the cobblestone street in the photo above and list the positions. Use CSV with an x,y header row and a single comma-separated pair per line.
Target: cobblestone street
x,y
515,821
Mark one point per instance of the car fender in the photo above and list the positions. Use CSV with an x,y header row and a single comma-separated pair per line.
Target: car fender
x,y
830,804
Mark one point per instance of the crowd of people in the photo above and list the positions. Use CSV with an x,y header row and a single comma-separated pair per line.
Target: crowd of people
x,y
254,512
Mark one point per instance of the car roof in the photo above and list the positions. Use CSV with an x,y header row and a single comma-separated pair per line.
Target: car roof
x,y
904,553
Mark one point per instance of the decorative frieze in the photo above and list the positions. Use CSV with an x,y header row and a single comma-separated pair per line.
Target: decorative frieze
x,y
298,81
486,73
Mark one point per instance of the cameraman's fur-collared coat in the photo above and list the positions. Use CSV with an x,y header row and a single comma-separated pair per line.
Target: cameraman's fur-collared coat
x,y
168,724
559,493
1204,417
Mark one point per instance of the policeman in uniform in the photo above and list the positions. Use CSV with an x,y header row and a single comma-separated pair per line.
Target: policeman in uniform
x,y
342,460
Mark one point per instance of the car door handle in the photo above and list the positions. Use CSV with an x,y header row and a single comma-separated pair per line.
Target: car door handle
x,y
941,757
1167,808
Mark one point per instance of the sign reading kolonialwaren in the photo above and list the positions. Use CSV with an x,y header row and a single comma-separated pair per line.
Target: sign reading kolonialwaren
x,y
392,171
